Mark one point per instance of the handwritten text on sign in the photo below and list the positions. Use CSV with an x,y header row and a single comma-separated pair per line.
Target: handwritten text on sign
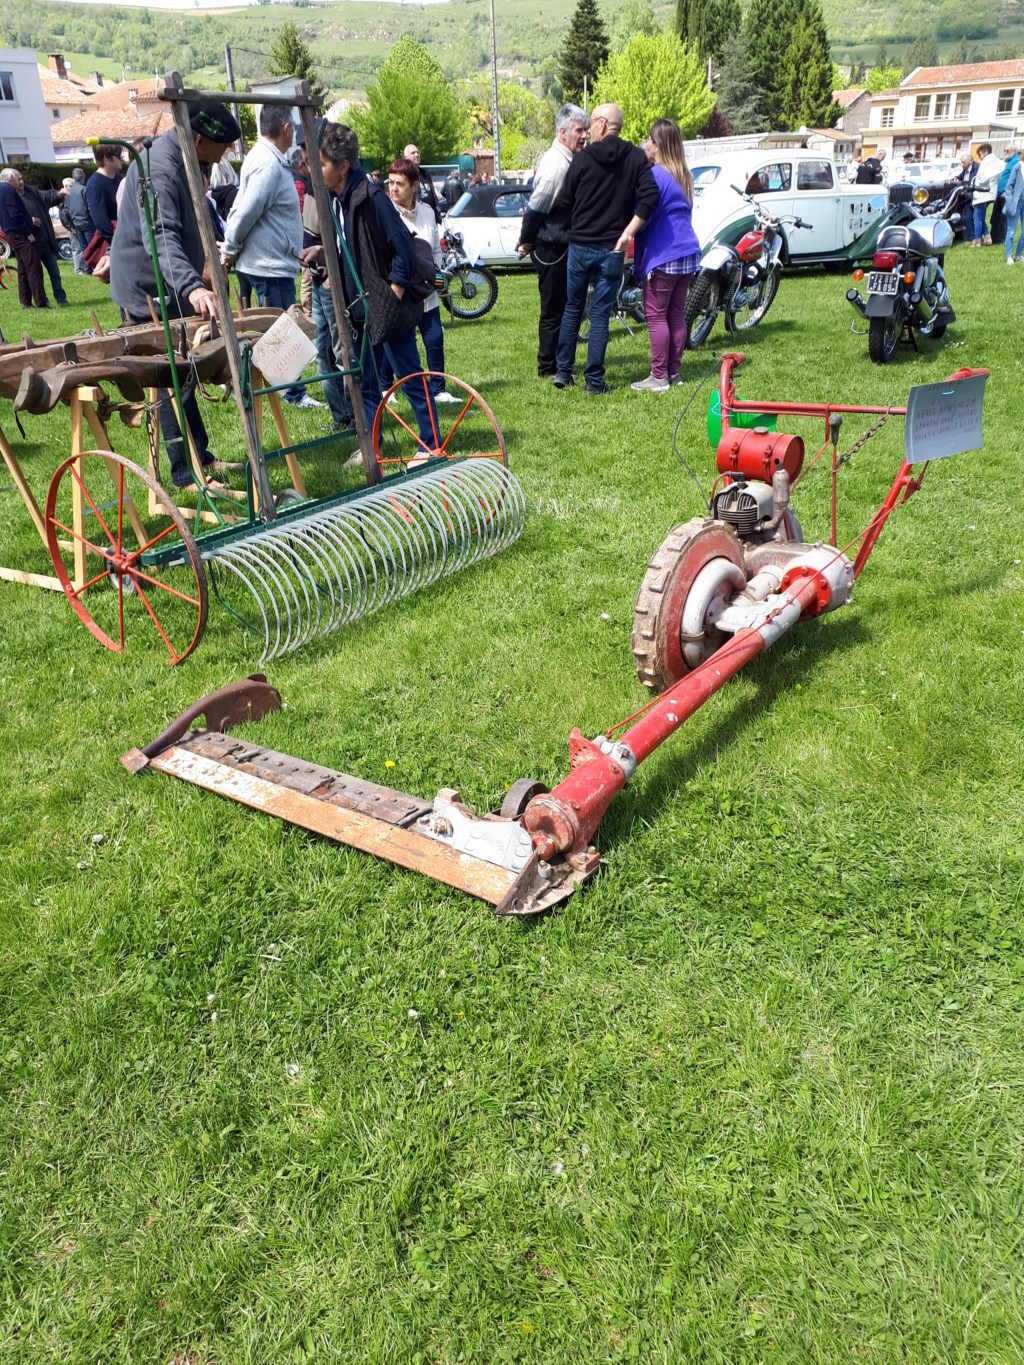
x,y
283,351
944,419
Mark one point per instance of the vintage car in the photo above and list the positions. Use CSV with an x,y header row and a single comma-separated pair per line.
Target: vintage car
x,y
840,218
489,218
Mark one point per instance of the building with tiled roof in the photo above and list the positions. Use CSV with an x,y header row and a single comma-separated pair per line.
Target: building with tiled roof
x,y
69,136
855,102
141,94
937,112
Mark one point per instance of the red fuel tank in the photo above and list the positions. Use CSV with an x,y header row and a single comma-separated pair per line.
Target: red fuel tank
x,y
758,453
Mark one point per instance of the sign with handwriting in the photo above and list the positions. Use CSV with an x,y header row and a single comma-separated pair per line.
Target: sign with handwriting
x,y
944,419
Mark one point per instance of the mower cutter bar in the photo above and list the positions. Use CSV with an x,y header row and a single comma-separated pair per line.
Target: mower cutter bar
x,y
487,857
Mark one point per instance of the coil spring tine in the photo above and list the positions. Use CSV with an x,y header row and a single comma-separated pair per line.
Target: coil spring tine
x,y
333,566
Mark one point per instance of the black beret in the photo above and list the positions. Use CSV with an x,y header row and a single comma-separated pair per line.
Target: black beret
x,y
214,121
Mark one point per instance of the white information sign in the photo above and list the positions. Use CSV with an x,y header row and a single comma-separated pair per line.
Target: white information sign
x,y
944,419
283,351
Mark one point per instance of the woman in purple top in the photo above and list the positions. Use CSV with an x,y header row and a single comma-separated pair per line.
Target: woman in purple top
x,y
666,258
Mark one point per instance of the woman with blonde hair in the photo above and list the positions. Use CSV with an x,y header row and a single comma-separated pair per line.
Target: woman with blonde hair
x,y
666,257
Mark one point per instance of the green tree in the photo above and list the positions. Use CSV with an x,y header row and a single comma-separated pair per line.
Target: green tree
x,y
739,96
584,51
771,29
410,101
724,21
550,81
636,16
289,56
766,34
656,77
807,92
923,51
958,55
884,78
692,25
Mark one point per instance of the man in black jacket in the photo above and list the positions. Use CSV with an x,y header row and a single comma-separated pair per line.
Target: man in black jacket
x,y
610,193
180,254
380,245
39,202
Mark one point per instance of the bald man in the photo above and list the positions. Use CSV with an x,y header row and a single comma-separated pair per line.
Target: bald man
x,y
609,193
426,190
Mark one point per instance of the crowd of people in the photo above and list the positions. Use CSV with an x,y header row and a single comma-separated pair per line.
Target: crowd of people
x,y
594,200
591,203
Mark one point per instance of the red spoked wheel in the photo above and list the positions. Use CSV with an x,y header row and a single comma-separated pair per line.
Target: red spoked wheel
x,y
100,541
465,429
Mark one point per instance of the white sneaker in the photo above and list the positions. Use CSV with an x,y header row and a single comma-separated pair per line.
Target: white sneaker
x,y
1009,260
651,385
305,402
445,397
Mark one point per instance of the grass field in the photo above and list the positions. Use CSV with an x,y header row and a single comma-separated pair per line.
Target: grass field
x,y
755,1094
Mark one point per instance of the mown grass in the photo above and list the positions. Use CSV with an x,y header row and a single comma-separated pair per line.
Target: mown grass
x,y
754,1095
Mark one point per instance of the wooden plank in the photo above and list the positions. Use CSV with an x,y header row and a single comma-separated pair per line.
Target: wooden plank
x,y
277,412
174,91
77,517
405,847
33,580
21,483
102,443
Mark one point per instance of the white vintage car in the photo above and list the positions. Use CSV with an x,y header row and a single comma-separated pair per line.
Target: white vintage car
x,y
790,182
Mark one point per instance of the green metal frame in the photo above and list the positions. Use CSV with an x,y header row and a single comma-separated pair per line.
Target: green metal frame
x,y
228,532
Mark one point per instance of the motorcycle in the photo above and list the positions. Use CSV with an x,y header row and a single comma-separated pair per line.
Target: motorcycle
x,y
468,289
628,307
905,287
740,281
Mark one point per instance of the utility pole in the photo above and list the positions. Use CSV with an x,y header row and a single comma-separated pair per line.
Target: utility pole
x,y
494,101
229,68
584,92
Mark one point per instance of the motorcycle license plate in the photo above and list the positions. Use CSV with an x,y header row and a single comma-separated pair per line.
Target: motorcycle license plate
x,y
881,282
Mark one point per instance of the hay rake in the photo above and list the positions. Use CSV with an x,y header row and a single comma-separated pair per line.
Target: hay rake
x,y
290,568
718,592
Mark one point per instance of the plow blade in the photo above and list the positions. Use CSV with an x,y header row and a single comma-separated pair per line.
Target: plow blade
x,y
488,857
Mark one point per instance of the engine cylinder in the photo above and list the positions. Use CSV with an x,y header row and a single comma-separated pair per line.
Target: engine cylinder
x,y
759,453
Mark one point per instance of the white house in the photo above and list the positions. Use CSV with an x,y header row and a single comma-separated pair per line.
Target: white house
x,y
64,94
939,111
24,121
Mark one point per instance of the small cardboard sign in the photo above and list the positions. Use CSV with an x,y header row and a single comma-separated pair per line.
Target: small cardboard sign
x,y
283,351
944,419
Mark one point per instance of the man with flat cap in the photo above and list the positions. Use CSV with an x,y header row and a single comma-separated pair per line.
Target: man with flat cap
x,y
180,252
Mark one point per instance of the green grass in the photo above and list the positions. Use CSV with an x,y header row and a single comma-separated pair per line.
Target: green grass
x,y
755,1094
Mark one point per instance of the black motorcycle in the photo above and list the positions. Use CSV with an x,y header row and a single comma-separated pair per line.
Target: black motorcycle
x,y
906,287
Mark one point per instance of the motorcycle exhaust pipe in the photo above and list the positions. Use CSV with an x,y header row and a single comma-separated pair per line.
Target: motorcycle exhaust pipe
x,y
853,296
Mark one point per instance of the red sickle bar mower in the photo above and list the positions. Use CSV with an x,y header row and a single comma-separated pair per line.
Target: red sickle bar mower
x,y
718,591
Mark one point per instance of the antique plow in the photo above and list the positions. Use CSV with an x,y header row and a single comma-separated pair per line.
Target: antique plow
x,y
288,565
719,591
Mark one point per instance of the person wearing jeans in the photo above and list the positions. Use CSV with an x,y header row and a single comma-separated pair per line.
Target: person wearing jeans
x,y
667,254
328,354
380,251
418,216
16,224
1013,193
263,233
986,183
609,192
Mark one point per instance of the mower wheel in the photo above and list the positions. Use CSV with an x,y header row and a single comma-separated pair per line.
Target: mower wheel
x,y
662,655
519,796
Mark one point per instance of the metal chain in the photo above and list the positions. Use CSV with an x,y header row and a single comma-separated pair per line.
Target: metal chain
x,y
862,441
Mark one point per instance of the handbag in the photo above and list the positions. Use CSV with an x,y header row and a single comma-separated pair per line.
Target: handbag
x,y
423,268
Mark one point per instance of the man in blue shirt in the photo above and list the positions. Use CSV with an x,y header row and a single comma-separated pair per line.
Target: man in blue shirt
x,y
18,228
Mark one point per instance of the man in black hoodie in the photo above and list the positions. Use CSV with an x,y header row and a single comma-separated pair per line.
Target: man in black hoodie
x,y
609,192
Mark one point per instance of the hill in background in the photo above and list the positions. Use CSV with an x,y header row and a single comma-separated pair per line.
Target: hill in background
x,y
351,39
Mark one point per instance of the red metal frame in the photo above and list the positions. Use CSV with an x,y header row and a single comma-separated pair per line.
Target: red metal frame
x,y
563,822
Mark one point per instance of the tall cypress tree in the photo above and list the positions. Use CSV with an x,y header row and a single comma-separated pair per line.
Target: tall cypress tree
x,y
766,32
585,50
739,97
